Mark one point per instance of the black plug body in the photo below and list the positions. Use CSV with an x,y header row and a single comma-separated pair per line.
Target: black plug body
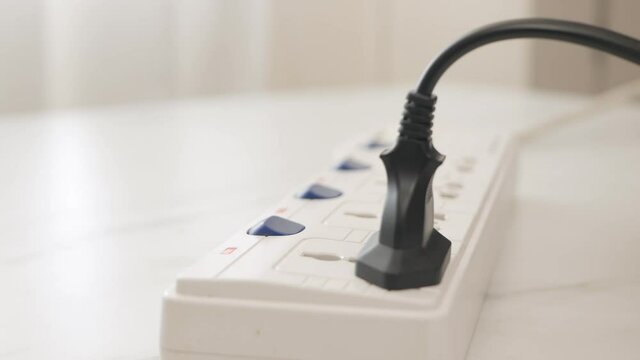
x,y
408,252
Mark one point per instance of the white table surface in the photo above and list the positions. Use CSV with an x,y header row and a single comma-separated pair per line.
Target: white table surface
x,y
100,208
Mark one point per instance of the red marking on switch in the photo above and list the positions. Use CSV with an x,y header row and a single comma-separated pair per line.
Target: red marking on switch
x,y
281,210
228,250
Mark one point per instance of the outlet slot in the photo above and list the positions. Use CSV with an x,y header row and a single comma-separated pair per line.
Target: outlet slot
x,y
327,256
322,256
448,193
453,185
361,215
356,215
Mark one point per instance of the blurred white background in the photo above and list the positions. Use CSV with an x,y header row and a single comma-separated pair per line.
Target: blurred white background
x,y
66,53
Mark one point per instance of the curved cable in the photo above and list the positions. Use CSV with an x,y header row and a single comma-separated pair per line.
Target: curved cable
x,y
591,36
417,119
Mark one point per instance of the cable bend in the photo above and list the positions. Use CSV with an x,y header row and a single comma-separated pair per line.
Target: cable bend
x,y
582,34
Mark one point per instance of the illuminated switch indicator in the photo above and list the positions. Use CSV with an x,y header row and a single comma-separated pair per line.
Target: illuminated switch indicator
x,y
228,251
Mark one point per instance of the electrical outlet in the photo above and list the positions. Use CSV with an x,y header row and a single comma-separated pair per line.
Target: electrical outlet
x,y
328,259
356,215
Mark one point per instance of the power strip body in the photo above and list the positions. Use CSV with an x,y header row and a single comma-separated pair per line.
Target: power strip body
x,y
296,296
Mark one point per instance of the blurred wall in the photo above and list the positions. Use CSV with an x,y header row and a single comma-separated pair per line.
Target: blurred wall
x,y
21,55
65,53
575,68
337,41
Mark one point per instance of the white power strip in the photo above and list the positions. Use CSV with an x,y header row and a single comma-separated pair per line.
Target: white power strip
x,y
296,296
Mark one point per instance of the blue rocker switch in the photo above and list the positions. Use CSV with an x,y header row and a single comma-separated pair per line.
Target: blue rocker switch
x,y
275,226
377,144
350,164
317,191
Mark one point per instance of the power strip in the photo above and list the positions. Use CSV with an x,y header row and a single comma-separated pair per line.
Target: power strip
x,y
284,287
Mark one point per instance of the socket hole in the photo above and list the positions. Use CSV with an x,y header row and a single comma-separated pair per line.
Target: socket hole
x,y
448,194
453,185
362,215
322,256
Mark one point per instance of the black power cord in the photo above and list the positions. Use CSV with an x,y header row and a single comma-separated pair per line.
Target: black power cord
x,y
408,252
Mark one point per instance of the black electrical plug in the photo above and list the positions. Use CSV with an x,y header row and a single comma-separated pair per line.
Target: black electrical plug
x,y
408,252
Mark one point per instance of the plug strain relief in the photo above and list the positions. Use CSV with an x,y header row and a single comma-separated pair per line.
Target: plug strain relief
x,y
417,119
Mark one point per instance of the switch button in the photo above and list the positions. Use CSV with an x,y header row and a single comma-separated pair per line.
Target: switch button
x,y
351,164
275,226
317,191
377,144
